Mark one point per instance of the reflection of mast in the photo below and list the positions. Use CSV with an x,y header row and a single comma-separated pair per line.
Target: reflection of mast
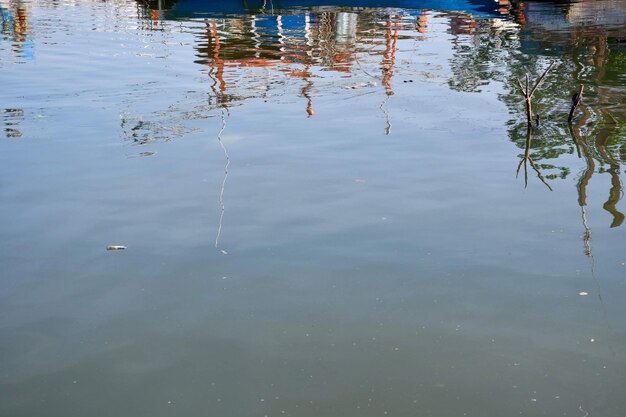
x,y
255,35
309,42
264,5
386,113
226,165
214,49
326,39
422,22
585,177
305,91
20,27
217,75
585,152
156,14
281,36
615,194
389,57
600,49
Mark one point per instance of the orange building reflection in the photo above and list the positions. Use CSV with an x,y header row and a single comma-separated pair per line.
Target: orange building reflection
x,y
15,25
296,45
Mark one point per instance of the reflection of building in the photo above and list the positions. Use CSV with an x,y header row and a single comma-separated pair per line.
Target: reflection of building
x,y
14,24
325,39
294,44
462,24
279,33
300,37
585,13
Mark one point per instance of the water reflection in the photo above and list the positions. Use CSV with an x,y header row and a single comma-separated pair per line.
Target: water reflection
x,y
248,55
267,51
527,158
598,147
14,21
587,42
223,187
11,119
378,250
485,50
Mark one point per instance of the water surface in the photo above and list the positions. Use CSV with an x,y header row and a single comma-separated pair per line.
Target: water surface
x,y
330,209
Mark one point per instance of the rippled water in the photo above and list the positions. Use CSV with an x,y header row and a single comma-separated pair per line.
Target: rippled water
x,y
330,208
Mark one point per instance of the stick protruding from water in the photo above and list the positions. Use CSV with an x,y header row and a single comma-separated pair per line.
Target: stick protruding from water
x,y
577,98
528,93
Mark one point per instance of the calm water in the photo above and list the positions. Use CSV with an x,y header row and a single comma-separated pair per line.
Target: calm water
x,y
330,209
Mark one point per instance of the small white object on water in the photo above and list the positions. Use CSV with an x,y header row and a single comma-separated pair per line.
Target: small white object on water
x,y
583,293
361,85
592,340
224,252
116,247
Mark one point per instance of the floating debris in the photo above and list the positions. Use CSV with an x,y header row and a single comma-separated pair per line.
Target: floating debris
x,y
361,85
224,252
583,293
116,247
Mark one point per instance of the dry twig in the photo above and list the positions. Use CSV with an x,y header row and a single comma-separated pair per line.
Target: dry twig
x,y
528,93
577,98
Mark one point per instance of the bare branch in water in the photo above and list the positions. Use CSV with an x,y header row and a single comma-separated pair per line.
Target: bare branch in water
x,y
577,98
521,88
541,78
528,93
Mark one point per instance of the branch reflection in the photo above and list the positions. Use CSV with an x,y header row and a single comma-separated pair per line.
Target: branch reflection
x,y
528,158
263,50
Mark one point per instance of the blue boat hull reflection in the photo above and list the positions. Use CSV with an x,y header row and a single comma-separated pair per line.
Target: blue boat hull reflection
x,y
188,8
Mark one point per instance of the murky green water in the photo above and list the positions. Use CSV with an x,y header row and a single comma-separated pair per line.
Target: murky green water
x,y
320,207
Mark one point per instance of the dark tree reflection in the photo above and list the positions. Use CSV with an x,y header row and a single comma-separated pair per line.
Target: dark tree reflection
x,y
588,54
